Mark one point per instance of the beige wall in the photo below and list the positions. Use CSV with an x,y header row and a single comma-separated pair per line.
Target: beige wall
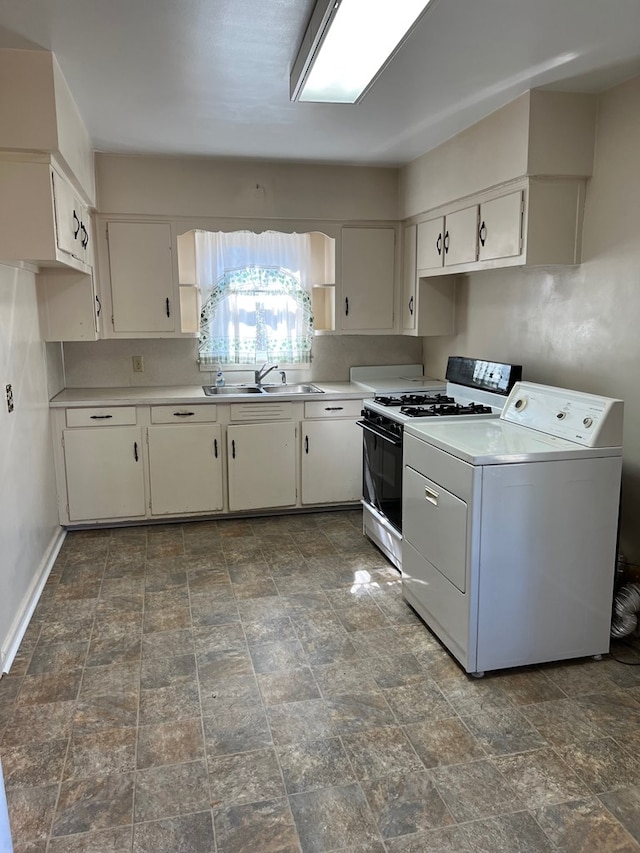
x,y
199,187
576,327
539,133
28,509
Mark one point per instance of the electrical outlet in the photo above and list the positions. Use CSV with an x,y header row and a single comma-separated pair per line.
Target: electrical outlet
x,y
138,364
9,392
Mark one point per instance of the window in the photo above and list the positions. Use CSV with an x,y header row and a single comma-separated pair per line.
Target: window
x,y
256,297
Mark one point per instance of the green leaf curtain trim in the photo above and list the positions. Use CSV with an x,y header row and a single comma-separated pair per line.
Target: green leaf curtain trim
x,y
256,313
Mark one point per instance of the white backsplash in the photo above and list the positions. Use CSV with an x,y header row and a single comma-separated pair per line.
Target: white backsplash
x,y
103,364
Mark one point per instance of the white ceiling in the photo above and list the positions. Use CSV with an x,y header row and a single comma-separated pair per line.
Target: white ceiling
x,y
211,77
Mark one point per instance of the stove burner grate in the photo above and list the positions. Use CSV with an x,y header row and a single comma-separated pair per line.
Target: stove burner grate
x,y
446,409
414,400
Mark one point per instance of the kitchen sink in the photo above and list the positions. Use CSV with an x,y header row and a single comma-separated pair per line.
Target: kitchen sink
x,y
291,389
235,390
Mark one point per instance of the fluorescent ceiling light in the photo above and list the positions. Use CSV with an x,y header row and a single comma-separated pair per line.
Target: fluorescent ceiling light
x,y
347,44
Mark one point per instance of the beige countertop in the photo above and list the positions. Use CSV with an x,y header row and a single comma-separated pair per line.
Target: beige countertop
x,y
191,394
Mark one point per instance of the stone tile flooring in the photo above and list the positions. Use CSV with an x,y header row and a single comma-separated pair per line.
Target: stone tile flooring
x,y
259,686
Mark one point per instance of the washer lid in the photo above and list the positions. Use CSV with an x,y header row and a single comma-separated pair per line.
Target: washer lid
x,y
498,442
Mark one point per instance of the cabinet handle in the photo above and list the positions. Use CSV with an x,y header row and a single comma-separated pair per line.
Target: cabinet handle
x,y
135,450
431,496
215,447
76,225
233,449
100,417
411,306
439,243
99,308
446,242
482,233
306,444
333,408
183,414
85,236
168,307
346,306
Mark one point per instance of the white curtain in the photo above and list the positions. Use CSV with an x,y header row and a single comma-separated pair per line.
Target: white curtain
x,y
256,297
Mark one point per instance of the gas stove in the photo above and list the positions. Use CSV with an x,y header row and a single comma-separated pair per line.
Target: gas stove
x,y
475,388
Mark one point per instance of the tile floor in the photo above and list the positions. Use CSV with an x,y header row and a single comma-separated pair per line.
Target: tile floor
x,y
259,686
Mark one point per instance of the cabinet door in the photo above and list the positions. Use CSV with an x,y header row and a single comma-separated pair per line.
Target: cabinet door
x,y
461,237
331,461
104,473
185,468
409,240
72,219
261,465
430,248
500,229
368,266
140,261
67,217
69,307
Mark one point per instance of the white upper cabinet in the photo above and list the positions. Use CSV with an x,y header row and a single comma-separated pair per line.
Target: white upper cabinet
x,y
500,228
430,249
143,286
409,266
73,227
428,304
460,237
368,276
537,221
37,207
69,305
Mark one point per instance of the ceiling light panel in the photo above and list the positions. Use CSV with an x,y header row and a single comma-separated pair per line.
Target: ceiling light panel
x,y
347,44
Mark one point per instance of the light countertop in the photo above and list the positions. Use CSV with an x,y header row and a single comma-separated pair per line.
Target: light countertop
x,y
191,394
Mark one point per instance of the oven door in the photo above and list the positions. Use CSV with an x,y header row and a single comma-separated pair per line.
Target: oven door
x,y
382,473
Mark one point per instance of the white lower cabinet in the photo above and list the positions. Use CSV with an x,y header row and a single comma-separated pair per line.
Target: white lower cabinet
x,y
331,467
130,463
261,462
331,462
104,472
185,468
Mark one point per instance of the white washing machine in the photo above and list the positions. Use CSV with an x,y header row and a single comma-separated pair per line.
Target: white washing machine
x,y
510,528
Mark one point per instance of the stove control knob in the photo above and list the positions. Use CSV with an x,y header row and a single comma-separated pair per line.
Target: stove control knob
x,y
520,403
588,422
561,416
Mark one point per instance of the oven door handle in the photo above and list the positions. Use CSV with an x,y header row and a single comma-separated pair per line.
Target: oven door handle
x,y
397,442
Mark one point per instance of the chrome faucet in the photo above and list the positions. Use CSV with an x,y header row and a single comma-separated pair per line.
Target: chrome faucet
x,y
260,374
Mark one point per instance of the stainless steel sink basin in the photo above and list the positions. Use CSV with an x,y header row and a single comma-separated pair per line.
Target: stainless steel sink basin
x,y
236,390
228,390
291,389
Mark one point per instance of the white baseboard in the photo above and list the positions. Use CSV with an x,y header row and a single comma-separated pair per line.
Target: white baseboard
x,y
25,612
